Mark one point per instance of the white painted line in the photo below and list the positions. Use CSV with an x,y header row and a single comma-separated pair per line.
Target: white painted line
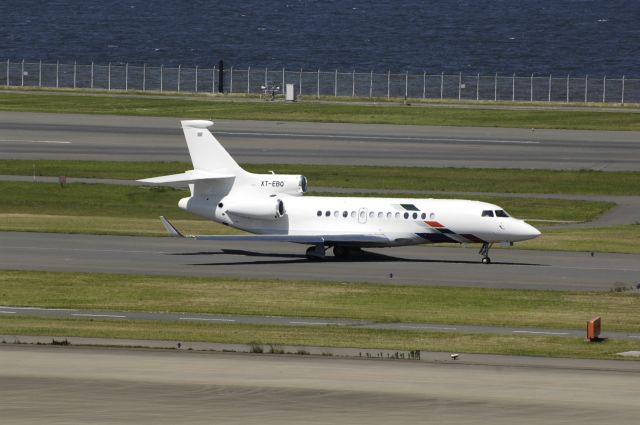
x,y
441,328
99,315
634,336
312,323
338,136
38,308
57,142
7,312
540,332
207,320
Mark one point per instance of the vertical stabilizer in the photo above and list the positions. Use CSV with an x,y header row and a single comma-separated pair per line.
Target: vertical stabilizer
x,y
207,154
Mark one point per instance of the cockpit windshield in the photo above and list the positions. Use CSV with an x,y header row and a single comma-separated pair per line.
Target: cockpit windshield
x,y
501,213
487,213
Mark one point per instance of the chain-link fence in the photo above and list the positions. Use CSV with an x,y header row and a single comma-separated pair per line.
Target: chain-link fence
x,y
532,88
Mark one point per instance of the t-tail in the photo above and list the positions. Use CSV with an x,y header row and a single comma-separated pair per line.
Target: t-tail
x,y
220,188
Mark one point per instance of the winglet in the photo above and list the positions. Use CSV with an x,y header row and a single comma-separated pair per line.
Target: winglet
x,y
173,232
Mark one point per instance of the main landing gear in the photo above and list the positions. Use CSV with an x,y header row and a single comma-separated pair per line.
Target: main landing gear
x,y
344,252
315,252
484,251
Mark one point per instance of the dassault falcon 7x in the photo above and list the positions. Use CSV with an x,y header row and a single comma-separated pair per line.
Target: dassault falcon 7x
x,y
272,207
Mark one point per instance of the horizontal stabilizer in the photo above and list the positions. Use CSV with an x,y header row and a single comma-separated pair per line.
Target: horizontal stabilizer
x,y
187,177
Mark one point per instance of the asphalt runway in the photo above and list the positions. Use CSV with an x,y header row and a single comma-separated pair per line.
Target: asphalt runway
x,y
61,136
420,265
66,385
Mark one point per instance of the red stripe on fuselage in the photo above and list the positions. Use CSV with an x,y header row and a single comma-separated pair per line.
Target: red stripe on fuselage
x,y
434,224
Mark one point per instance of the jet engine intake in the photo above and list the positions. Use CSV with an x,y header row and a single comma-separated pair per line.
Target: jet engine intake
x,y
270,208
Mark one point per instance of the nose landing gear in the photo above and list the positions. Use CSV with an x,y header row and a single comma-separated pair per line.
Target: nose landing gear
x,y
484,251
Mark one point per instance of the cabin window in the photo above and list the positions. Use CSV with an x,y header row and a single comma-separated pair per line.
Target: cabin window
x,y
372,214
353,214
501,213
336,214
397,215
327,214
423,216
389,215
319,214
487,213
345,214
415,215
380,215
406,215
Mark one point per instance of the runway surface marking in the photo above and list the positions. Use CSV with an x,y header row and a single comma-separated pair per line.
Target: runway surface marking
x,y
540,332
206,319
115,316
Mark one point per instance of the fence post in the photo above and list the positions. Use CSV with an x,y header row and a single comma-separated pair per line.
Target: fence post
x,y
126,76
248,79
179,69
567,88
91,74
300,84
406,84
161,82
8,66
441,85
144,77
74,73
318,88
22,74
513,87
335,84
495,88
40,74
283,86
213,79
196,83
57,74
371,84
109,77
353,83
586,84
388,84
531,89
549,87
266,77
604,89
424,84
623,89
459,86
478,87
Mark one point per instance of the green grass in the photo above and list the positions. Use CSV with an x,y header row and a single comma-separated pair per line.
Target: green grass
x,y
367,177
375,302
318,112
620,239
530,345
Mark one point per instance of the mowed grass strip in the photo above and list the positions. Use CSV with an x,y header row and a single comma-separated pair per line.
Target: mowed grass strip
x,y
380,303
620,239
367,177
330,336
319,112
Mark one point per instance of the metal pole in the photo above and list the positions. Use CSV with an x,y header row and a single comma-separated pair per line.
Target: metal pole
x,y
371,85
441,85
144,77
406,84
495,88
161,78
459,86
604,89
531,89
282,80
109,77
318,95
57,74
353,83
196,83
623,89
213,79
424,84
22,74
549,87
179,69
567,88
231,80
513,88
586,85
91,74
478,87
248,79
40,74
335,84
300,84
8,66
74,74
388,84
266,77
126,76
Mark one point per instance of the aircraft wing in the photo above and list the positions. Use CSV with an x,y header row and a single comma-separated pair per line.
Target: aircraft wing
x,y
307,239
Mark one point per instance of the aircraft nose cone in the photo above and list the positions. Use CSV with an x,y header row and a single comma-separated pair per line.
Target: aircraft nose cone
x,y
528,231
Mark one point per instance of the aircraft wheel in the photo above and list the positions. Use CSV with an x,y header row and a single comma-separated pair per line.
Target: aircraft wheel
x,y
312,254
341,251
486,260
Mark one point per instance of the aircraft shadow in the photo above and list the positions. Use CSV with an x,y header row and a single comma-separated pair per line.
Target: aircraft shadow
x,y
361,257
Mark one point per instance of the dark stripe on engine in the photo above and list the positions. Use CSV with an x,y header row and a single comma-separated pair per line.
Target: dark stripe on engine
x,y
436,237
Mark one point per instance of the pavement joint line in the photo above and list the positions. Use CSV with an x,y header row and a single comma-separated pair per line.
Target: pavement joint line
x,y
117,316
312,323
429,327
206,319
7,312
57,142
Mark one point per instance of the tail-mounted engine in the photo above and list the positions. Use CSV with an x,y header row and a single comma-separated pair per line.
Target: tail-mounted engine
x,y
252,207
294,185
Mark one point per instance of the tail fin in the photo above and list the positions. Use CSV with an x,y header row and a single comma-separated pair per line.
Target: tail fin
x,y
207,154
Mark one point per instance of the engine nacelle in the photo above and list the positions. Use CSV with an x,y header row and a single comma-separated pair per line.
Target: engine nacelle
x,y
294,185
252,207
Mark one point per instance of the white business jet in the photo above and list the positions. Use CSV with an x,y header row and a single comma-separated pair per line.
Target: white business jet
x,y
273,208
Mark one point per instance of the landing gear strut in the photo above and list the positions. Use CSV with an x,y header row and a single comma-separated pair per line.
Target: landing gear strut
x,y
343,252
315,252
484,251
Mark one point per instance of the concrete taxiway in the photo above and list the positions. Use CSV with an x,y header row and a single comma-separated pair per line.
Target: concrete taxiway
x,y
63,385
64,136
420,265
